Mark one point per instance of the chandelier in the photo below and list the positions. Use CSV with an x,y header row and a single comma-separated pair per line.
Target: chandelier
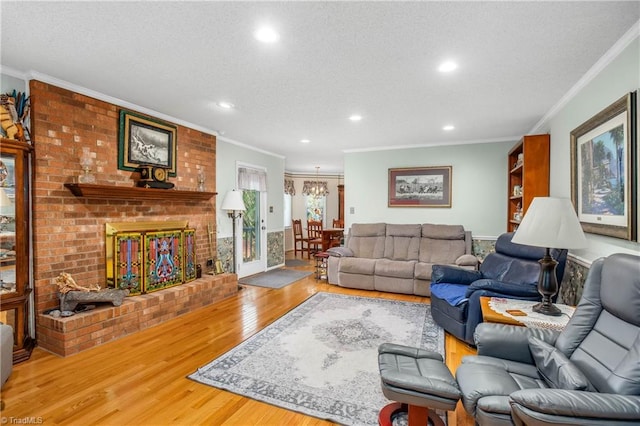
x,y
318,189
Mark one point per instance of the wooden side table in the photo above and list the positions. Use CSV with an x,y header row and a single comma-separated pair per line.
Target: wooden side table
x,y
489,315
321,265
496,309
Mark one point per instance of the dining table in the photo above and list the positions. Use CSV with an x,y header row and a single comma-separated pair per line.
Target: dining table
x,y
331,237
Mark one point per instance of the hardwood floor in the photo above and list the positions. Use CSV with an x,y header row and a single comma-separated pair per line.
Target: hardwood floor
x,y
141,379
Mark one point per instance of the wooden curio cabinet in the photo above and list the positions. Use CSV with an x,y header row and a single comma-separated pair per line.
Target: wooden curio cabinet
x,y
16,298
528,176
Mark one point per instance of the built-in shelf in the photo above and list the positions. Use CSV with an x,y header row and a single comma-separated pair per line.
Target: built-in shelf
x,y
111,192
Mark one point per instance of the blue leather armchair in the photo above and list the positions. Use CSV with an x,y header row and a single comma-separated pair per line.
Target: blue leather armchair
x,y
511,272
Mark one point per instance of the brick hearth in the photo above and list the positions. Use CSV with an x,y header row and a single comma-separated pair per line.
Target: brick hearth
x,y
68,336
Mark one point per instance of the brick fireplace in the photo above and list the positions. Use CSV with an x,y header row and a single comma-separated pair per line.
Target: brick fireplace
x,y
69,230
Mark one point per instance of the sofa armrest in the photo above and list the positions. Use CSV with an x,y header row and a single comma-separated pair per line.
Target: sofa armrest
x,y
340,252
507,289
510,341
453,275
554,406
467,260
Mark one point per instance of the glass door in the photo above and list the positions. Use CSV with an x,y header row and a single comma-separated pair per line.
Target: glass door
x,y
253,246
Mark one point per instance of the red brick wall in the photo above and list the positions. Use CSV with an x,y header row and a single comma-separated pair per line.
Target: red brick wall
x,y
69,232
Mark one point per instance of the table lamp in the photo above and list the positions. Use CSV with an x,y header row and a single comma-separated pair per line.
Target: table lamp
x,y
234,206
549,223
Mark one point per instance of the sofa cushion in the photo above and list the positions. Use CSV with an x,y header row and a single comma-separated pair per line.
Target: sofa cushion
x,y
423,271
443,232
402,242
357,265
440,250
367,240
394,268
555,368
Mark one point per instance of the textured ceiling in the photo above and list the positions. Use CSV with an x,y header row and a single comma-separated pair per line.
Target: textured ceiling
x,y
378,59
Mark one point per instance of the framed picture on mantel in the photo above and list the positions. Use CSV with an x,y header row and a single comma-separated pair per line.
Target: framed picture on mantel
x,y
146,141
603,173
420,187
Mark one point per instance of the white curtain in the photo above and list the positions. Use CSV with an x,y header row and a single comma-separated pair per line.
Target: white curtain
x,y
252,179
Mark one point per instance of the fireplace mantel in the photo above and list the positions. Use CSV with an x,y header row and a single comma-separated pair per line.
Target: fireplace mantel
x,y
111,192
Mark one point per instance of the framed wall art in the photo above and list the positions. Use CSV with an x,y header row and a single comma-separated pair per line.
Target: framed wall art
x,y
420,187
146,141
603,170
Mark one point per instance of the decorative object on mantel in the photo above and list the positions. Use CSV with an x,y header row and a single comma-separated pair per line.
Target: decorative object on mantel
x,y
146,141
201,180
86,162
549,223
154,177
72,294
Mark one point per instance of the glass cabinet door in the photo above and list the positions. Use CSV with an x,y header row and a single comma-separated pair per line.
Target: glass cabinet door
x,y
16,298
7,224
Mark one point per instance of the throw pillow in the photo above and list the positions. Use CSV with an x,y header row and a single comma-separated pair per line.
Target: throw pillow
x,y
556,369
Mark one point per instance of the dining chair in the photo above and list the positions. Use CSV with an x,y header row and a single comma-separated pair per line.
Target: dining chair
x,y
314,231
338,223
298,237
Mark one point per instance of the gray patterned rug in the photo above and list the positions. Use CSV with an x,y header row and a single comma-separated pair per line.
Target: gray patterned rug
x,y
321,358
275,278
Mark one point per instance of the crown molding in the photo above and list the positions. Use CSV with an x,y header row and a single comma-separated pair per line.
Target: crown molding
x,y
606,59
434,144
45,78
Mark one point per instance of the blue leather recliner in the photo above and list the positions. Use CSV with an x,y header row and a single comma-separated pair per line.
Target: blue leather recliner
x,y
511,272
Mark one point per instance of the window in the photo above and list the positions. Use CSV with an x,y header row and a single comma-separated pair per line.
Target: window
x,y
315,208
287,210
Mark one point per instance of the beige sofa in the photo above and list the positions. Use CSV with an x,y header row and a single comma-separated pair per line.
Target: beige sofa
x,y
398,258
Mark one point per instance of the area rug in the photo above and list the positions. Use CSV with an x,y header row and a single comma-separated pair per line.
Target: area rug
x,y
321,358
296,262
275,278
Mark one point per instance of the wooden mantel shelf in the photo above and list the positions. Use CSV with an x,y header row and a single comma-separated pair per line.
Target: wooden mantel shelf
x,y
111,192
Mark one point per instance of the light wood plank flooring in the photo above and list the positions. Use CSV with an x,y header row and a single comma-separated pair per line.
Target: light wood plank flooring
x,y
141,379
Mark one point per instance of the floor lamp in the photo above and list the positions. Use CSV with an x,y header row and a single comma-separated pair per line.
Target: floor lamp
x,y
550,223
234,206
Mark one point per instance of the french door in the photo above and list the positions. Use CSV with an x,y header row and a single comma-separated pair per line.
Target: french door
x,y
253,249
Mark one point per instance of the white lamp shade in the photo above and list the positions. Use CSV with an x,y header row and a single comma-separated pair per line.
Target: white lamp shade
x,y
550,223
233,201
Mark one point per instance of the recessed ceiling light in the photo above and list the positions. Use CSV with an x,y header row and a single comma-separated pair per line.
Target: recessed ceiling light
x,y
266,35
305,141
225,105
447,66
355,117
448,127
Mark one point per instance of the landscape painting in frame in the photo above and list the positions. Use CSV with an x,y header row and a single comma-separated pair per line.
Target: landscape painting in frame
x,y
420,187
602,171
146,141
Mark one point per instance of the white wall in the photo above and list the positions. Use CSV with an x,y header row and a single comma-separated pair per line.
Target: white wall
x,y
479,186
227,154
619,77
